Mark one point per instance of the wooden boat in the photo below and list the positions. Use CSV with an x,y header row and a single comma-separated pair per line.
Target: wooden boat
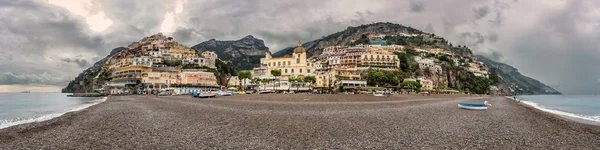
x,y
472,106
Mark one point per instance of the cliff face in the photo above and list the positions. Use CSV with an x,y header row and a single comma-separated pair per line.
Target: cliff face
x,y
243,54
84,82
511,79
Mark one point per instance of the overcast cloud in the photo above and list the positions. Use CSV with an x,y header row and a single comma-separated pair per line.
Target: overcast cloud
x,y
46,43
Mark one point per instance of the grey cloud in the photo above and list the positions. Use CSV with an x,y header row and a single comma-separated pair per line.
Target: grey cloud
x,y
429,28
492,36
35,34
8,78
471,39
481,12
80,62
416,6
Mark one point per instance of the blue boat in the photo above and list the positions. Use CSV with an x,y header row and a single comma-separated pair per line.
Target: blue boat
x,y
472,106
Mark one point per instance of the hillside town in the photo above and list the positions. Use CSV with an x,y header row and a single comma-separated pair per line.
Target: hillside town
x,y
356,68
160,64
157,63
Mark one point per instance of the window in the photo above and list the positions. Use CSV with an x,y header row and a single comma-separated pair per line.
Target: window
x,y
300,70
292,70
297,60
278,63
285,70
298,55
289,63
307,70
269,64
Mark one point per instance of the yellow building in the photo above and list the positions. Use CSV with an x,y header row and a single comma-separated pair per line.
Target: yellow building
x,y
183,52
292,66
161,77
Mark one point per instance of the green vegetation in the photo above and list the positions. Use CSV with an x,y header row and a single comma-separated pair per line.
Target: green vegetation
x,y
223,70
172,63
276,73
413,85
362,40
493,76
378,78
408,65
244,75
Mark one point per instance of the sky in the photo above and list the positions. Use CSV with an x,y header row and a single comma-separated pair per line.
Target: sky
x,y
46,43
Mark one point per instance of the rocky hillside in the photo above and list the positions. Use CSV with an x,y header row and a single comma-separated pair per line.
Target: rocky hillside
x,y
346,37
512,80
83,82
243,54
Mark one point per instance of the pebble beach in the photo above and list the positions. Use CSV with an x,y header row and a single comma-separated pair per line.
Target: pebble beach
x,y
303,121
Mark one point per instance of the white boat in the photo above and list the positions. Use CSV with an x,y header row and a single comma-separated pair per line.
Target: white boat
x,y
205,95
378,93
225,93
471,106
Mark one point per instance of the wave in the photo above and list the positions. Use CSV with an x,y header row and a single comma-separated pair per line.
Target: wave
x,y
563,113
18,121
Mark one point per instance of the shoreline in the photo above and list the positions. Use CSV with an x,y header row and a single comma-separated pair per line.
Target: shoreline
x,y
131,121
557,115
48,117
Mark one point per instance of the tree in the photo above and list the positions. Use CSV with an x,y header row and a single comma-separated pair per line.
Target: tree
x,y
311,80
494,76
265,82
242,75
276,73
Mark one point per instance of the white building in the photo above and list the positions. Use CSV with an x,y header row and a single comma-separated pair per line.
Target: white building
x,y
142,61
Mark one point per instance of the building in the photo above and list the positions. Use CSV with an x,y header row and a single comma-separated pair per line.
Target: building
x,y
161,77
293,66
210,58
235,81
126,79
142,61
198,78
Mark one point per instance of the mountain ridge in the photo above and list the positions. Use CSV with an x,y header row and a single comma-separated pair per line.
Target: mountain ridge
x,y
243,54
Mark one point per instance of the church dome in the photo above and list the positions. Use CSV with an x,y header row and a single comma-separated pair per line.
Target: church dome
x,y
299,48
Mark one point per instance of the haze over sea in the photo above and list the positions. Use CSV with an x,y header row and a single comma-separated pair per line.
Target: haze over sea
x,y
20,108
579,107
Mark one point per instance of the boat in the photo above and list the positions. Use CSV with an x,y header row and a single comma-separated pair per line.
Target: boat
x,y
472,106
26,92
206,95
378,93
225,93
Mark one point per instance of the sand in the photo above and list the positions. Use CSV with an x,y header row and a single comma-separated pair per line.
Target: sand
x,y
303,121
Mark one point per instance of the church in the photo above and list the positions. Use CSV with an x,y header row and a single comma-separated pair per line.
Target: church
x,y
294,66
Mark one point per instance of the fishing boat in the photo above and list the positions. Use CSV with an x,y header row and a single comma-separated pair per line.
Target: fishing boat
x,y
472,106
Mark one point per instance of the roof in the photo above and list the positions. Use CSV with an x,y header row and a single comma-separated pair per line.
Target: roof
x,y
299,48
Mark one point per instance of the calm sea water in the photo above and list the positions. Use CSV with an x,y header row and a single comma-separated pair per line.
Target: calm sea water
x,y
19,108
582,107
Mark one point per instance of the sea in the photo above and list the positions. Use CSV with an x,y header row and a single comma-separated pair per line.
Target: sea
x,y
20,108
584,108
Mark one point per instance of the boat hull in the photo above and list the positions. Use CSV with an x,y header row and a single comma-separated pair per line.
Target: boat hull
x,y
206,95
471,107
